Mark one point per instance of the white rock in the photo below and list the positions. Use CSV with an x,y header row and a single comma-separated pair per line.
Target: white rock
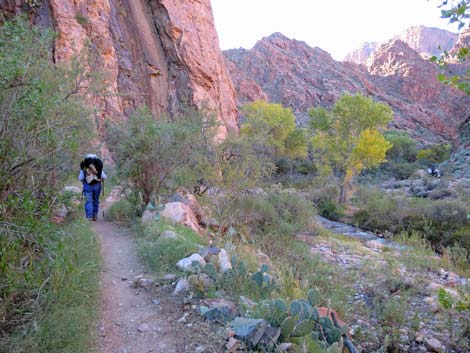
x,y
224,261
148,217
433,288
186,264
182,286
169,234
375,244
433,344
181,213
74,189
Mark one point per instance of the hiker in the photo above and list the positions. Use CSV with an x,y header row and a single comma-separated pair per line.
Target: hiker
x,y
92,176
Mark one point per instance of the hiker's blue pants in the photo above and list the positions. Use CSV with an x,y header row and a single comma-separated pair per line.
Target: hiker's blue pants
x,y
92,199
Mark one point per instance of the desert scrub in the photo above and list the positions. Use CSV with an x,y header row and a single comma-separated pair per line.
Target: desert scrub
x,y
64,297
160,254
121,212
277,212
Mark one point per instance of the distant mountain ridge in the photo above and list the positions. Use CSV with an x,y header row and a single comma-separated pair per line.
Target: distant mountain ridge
x,y
290,72
427,41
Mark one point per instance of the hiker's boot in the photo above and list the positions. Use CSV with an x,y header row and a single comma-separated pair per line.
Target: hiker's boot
x,y
95,218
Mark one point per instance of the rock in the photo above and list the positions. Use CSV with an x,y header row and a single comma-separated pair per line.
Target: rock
x,y
286,347
433,288
144,283
186,264
246,302
169,234
148,217
207,253
144,328
453,279
433,344
218,309
375,244
59,213
73,189
181,213
169,277
250,330
232,345
183,195
224,261
182,286
200,349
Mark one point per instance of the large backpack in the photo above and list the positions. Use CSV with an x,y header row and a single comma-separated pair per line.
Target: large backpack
x,y
92,167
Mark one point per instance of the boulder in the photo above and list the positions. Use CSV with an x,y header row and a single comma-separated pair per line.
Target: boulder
x,y
186,264
433,344
184,196
178,212
249,330
182,286
224,262
218,309
375,244
169,234
148,217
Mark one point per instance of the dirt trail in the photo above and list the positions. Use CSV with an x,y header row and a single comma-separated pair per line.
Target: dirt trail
x,y
139,320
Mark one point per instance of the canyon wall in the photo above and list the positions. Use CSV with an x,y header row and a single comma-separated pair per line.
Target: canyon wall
x,y
160,53
290,72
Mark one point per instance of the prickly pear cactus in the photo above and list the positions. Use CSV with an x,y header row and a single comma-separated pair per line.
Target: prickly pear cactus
x,y
313,296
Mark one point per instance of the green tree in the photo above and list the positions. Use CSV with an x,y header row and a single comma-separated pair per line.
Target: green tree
x,y
151,150
403,146
437,153
348,137
273,127
43,120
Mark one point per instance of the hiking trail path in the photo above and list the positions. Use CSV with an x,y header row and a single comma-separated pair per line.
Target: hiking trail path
x,y
140,320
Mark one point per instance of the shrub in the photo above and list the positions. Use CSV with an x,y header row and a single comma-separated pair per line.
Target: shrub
x,y
122,212
305,167
162,254
403,146
275,212
330,209
435,154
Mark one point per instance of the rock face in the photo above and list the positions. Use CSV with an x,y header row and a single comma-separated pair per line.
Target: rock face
x,y
424,40
160,53
298,76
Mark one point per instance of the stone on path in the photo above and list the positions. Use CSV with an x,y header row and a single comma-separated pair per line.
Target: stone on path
x,y
433,344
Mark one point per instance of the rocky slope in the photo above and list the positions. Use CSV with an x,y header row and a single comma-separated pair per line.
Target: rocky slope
x,y
161,53
425,40
296,75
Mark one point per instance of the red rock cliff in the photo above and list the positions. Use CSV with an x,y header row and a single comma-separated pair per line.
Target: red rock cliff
x,y
160,53
292,73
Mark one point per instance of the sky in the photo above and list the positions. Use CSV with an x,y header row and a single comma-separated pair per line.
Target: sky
x,y
337,26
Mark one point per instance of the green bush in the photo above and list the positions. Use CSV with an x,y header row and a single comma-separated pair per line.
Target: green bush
x,y
330,209
439,220
275,212
435,154
162,254
54,314
122,211
403,147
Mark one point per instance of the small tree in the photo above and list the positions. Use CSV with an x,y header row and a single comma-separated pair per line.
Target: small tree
x,y
43,120
150,150
347,137
273,127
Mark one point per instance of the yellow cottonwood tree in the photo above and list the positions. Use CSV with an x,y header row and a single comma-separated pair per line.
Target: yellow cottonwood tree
x,y
348,136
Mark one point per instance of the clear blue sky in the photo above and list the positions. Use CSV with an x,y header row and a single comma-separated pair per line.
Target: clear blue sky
x,y
337,26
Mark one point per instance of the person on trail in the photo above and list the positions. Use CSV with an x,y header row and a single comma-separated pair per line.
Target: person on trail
x,y
92,177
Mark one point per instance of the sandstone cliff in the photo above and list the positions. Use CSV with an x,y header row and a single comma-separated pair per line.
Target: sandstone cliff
x,y
296,75
424,40
161,53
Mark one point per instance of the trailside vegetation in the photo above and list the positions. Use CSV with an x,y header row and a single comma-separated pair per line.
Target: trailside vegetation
x,y
44,269
348,137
